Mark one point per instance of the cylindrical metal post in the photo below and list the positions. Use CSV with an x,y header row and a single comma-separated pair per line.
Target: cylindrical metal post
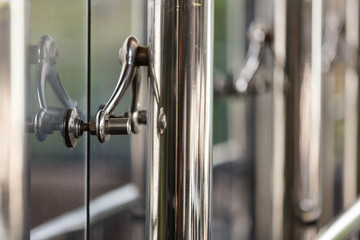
x,y
278,145
180,39
303,115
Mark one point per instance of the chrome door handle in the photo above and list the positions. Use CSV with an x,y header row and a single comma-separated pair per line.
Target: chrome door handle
x,y
260,36
131,55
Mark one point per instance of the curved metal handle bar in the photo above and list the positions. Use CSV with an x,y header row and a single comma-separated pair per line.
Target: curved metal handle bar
x,y
46,70
127,56
259,35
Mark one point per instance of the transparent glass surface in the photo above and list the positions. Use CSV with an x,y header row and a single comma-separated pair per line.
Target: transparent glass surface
x,y
111,171
58,31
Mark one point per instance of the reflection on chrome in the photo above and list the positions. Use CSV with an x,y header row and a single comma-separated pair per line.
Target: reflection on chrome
x,y
180,40
102,207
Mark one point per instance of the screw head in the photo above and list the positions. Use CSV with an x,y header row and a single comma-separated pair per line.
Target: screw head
x,y
162,121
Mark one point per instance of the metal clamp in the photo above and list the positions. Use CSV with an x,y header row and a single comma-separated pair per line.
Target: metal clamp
x,y
131,55
47,119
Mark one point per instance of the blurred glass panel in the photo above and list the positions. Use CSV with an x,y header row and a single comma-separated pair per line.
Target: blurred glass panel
x,y
58,174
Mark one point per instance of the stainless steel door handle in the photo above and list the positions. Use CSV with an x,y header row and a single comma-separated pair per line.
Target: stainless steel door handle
x,y
131,55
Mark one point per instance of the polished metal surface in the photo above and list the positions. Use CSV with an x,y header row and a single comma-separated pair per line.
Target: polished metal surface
x,y
73,127
343,225
128,59
180,41
278,120
131,55
303,156
14,170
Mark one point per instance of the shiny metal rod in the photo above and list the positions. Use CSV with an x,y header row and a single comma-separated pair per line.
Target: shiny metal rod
x,y
303,112
180,40
278,146
344,225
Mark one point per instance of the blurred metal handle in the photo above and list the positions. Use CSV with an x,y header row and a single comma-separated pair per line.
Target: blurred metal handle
x,y
46,70
334,28
259,35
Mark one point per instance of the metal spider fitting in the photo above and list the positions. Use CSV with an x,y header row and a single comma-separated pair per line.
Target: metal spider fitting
x,y
131,56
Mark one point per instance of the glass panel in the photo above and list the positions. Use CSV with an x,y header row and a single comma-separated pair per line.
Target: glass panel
x,y
111,162
58,57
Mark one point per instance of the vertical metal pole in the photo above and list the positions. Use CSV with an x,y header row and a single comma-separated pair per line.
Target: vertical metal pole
x,y
351,145
13,170
180,39
304,38
278,151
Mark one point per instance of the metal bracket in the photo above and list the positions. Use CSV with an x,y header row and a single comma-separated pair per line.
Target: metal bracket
x,y
131,56
48,119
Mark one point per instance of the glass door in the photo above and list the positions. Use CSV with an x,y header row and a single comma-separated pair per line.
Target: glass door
x,y
87,190
58,77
